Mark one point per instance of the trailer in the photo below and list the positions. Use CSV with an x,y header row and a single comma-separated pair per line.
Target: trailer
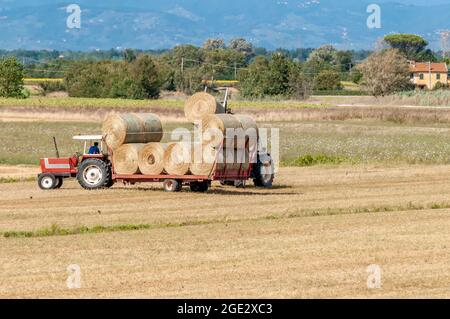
x,y
96,171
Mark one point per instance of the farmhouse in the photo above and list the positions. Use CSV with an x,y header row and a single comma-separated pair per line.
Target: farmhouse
x,y
428,74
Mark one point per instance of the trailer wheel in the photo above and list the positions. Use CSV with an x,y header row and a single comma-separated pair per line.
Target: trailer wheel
x,y
59,182
199,187
93,174
263,171
46,181
172,185
239,184
227,183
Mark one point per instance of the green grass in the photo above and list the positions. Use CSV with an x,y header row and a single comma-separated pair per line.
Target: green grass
x,y
10,180
356,142
87,103
56,230
424,98
311,160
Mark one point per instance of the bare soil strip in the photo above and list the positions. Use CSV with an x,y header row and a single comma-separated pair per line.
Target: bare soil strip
x,y
18,171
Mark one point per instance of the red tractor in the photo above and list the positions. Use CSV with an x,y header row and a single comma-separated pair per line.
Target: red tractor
x,y
96,171
91,170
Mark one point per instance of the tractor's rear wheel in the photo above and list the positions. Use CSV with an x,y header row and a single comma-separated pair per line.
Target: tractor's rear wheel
x,y
263,171
94,173
47,181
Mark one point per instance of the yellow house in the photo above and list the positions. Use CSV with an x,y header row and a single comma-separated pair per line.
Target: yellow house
x,y
427,74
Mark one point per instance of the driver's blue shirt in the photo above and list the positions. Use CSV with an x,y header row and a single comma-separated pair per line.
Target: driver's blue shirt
x,y
94,150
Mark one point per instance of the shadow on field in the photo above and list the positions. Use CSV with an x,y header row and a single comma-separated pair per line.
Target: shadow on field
x,y
247,193
221,190
250,190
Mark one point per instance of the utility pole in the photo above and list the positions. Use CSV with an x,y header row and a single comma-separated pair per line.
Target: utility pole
x,y
235,71
182,65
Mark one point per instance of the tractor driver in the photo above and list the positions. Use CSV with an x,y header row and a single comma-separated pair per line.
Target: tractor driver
x,y
94,149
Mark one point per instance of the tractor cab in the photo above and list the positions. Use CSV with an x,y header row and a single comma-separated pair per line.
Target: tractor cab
x,y
89,141
55,169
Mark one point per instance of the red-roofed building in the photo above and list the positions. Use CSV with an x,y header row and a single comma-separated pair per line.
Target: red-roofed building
x,y
428,74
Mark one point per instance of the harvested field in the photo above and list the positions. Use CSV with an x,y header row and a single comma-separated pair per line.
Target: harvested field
x,y
312,235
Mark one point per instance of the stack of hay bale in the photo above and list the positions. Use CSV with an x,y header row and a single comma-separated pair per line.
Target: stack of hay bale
x,y
135,140
202,107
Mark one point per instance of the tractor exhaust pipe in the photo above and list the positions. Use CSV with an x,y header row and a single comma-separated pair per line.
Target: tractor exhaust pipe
x,y
56,147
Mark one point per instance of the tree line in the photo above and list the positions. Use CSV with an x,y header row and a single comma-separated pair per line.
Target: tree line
x,y
286,73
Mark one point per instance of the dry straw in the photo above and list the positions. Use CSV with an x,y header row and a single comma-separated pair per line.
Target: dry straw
x,y
203,165
127,128
201,104
126,159
151,159
177,158
250,128
215,130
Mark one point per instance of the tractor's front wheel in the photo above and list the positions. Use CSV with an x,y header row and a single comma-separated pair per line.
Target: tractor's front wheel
x,y
47,181
94,173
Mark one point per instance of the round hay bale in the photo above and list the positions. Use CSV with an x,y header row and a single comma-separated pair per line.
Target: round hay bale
x,y
128,128
204,165
151,159
215,130
126,159
152,127
201,104
177,158
250,128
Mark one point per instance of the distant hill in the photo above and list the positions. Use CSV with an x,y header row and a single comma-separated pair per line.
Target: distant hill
x,y
162,24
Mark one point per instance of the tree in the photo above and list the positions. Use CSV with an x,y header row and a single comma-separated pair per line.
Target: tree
x,y
324,55
327,80
344,60
278,76
299,87
11,78
129,55
355,75
241,45
253,81
323,58
410,45
219,63
146,80
385,72
139,79
215,43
